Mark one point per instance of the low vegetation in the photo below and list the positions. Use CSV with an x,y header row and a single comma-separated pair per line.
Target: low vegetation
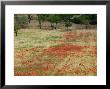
x,y
55,53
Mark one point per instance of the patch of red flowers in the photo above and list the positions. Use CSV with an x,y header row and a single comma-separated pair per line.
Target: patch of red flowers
x,y
33,49
85,33
31,73
63,50
94,50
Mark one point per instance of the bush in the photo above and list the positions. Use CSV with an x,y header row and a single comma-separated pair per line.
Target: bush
x,y
93,22
77,20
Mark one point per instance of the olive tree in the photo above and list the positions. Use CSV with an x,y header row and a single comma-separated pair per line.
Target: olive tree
x,y
20,21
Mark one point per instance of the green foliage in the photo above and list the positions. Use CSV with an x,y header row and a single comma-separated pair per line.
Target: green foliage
x,y
20,21
67,19
93,19
54,19
41,18
85,19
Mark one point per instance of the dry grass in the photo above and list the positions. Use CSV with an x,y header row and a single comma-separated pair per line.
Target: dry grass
x,y
55,53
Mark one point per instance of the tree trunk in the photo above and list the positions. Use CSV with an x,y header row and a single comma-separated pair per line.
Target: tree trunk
x,y
52,26
40,26
16,33
56,26
29,18
39,20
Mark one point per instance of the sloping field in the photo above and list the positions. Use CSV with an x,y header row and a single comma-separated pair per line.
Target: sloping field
x,y
55,53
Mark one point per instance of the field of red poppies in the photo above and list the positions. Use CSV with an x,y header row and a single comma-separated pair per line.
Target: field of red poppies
x,y
55,53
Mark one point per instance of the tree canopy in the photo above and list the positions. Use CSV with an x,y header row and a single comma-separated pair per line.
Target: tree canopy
x,y
21,20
